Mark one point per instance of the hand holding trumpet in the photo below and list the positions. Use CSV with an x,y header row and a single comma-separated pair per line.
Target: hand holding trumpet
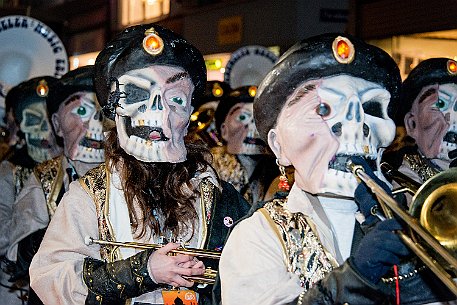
x,y
174,269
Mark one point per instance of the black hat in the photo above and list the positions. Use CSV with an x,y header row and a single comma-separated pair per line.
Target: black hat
x,y
161,47
78,80
32,91
428,72
243,94
319,57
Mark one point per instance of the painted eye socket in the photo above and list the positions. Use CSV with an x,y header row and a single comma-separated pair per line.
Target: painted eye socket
x,y
178,100
373,108
442,105
323,109
32,119
135,94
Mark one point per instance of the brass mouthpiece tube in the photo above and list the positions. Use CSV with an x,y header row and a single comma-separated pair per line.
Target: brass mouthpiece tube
x,y
187,251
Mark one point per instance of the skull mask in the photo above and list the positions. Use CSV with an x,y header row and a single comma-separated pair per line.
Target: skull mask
x,y
339,91
79,122
41,144
153,113
355,110
147,80
428,108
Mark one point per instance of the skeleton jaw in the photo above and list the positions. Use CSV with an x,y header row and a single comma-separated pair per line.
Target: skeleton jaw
x,y
91,148
338,180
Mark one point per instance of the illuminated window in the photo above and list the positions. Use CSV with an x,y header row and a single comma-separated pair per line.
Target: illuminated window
x,y
135,11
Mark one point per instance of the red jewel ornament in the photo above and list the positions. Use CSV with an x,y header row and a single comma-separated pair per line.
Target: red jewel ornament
x,y
343,50
283,184
452,67
152,43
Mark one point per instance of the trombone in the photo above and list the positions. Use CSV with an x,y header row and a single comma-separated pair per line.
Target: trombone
x,y
434,202
208,277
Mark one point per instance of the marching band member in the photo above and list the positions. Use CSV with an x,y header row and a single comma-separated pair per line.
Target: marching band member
x,y
153,186
27,116
327,100
428,112
244,160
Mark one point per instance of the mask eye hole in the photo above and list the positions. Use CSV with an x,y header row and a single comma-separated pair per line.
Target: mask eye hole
x,y
373,108
323,109
32,119
135,94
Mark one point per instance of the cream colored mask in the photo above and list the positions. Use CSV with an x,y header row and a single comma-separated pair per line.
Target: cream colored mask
x,y
79,122
326,121
153,113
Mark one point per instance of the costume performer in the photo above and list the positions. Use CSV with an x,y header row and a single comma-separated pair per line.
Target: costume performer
x,y
77,122
244,161
26,113
428,111
152,187
325,101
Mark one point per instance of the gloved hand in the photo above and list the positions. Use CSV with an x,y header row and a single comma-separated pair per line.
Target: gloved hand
x,y
379,250
363,196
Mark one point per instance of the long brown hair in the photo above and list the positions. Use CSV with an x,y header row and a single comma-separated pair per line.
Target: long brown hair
x,y
158,186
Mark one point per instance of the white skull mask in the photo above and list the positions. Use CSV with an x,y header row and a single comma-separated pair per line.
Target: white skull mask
x,y
41,143
447,104
240,132
153,113
355,110
79,122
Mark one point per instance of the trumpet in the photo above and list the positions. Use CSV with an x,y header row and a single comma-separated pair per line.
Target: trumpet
x,y
208,277
438,199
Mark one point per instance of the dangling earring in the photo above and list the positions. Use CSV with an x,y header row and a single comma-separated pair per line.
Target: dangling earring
x,y
283,184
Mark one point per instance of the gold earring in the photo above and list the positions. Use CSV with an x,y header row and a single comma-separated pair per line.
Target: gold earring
x,y
283,184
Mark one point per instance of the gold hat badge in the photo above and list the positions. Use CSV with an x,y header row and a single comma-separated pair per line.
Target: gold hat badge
x,y
42,89
152,43
343,50
452,67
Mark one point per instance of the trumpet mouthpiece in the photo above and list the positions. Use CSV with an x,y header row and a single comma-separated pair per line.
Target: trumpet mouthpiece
x,y
88,240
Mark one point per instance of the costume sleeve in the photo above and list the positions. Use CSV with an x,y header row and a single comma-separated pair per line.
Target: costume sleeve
x,y
114,283
6,204
56,269
30,214
253,271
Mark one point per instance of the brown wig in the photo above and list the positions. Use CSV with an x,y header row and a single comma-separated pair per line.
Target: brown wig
x,y
158,186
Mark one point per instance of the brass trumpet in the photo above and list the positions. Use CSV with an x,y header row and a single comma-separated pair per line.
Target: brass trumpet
x,y
439,198
207,278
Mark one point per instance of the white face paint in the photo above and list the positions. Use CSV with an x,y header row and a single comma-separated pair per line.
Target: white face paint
x,y
240,133
154,112
41,143
447,104
79,122
356,113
